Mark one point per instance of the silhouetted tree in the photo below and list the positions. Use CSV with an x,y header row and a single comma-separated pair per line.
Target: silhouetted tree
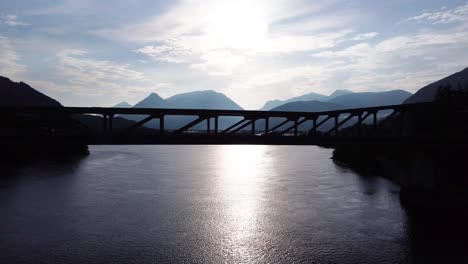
x,y
447,94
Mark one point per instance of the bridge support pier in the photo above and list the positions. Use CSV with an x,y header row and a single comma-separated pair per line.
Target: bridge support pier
x,y
111,119
314,126
104,124
161,124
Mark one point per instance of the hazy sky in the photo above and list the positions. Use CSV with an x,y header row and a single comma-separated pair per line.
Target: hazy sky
x,y
87,52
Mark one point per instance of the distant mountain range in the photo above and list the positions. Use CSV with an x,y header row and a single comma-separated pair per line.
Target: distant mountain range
x,y
342,99
306,97
308,106
208,99
369,99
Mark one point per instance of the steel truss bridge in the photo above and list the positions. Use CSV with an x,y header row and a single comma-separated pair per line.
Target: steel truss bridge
x,y
408,123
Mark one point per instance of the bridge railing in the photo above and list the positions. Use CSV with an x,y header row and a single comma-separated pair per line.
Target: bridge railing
x,y
107,124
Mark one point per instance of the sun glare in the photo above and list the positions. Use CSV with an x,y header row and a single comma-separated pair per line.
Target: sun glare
x,y
242,176
237,24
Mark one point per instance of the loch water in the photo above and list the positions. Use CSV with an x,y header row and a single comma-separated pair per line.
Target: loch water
x,y
202,204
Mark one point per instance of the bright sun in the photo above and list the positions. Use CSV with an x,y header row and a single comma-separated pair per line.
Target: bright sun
x,y
237,24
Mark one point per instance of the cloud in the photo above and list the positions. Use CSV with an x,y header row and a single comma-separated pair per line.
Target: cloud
x,y
168,51
217,36
418,41
9,59
400,62
352,52
443,15
87,76
365,36
11,20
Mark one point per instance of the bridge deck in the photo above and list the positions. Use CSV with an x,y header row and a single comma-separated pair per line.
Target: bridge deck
x,y
97,125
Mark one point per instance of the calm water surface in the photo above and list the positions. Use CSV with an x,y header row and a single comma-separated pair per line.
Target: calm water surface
x,y
200,204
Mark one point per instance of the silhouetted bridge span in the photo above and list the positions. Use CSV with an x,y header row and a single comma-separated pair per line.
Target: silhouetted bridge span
x,y
408,123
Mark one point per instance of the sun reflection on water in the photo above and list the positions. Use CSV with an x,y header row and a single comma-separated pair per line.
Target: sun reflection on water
x,y
242,176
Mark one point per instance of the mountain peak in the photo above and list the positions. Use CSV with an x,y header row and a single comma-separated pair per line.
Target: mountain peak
x,y
154,95
339,92
153,100
205,99
123,105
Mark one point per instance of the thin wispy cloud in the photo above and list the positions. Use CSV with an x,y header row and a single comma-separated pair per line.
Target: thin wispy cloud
x,y
168,51
10,65
443,15
12,21
365,36
87,76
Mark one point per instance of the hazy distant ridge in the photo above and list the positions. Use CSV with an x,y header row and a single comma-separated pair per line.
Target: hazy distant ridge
x,y
306,97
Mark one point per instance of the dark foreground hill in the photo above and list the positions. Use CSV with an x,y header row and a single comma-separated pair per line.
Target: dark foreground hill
x,y
21,94
428,93
433,172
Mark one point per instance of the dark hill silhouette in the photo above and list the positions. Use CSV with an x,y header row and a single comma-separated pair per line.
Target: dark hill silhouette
x,y
123,105
428,92
21,94
369,99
